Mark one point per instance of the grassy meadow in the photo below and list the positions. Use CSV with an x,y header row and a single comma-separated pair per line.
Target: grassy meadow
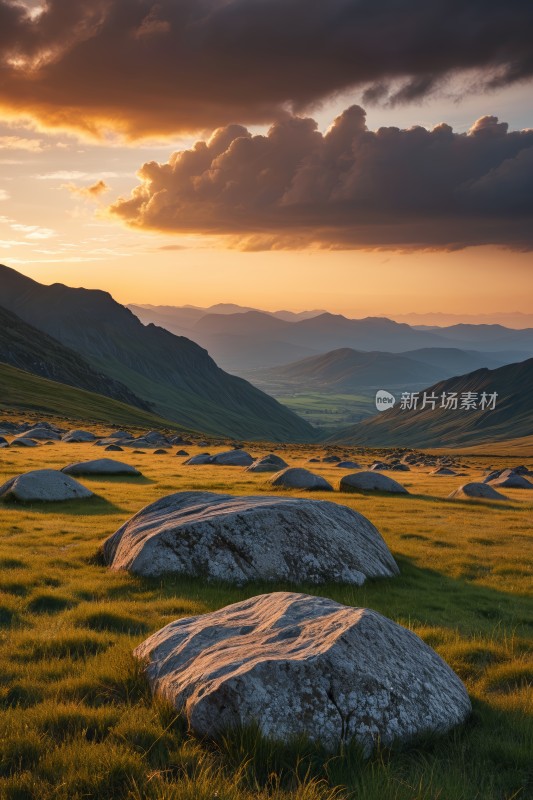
x,y
76,716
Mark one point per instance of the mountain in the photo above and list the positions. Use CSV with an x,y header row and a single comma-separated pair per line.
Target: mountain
x,y
511,418
171,372
25,347
356,372
511,319
24,391
349,371
252,339
179,318
485,337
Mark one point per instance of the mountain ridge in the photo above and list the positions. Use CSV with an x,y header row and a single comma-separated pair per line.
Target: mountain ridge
x,y
177,376
512,416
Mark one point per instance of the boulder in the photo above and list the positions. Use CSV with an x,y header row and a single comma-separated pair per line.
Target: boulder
x,y
299,478
137,443
348,465
443,471
119,435
239,539
378,465
160,452
232,458
182,453
180,440
155,437
371,482
115,448
269,463
78,437
330,459
200,458
100,466
511,480
21,441
42,434
480,491
297,665
43,485
313,461
522,470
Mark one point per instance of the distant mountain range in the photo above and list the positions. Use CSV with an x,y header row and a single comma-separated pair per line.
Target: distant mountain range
x,y
172,374
252,339
511,319
350,371
512,417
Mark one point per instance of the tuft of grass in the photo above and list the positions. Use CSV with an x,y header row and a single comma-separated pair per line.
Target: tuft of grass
x,y
48,603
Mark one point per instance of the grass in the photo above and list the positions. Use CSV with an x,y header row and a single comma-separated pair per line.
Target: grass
x,y
326,410
21,389
76,716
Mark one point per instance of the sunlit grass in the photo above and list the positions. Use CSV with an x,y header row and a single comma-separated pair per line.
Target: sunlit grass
x,y
76,716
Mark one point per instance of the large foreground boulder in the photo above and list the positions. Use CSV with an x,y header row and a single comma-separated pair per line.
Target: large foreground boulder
x,y
299,478
100,466
269,463
478,491
297,665
240,539
43,485
371,482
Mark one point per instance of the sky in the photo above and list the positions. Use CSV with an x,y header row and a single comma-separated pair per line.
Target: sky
x,y
367,157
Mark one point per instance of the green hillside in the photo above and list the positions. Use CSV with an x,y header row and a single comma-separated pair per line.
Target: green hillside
x,y
176,376
512,416
29,349
23,391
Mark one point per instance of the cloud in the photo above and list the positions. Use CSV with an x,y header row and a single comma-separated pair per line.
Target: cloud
x,y
347,188
92,192
75,175
34,232
4,195
147,68
21,143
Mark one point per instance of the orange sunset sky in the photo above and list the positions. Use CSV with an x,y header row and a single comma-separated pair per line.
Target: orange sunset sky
x,y
103,184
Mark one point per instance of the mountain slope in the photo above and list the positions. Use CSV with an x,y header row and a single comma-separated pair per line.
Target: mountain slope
x,y
174,374
350,371
346,370
511,418
25,347
24,391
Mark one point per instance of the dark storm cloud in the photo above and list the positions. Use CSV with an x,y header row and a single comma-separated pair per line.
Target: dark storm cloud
x,y
350,187
157,67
